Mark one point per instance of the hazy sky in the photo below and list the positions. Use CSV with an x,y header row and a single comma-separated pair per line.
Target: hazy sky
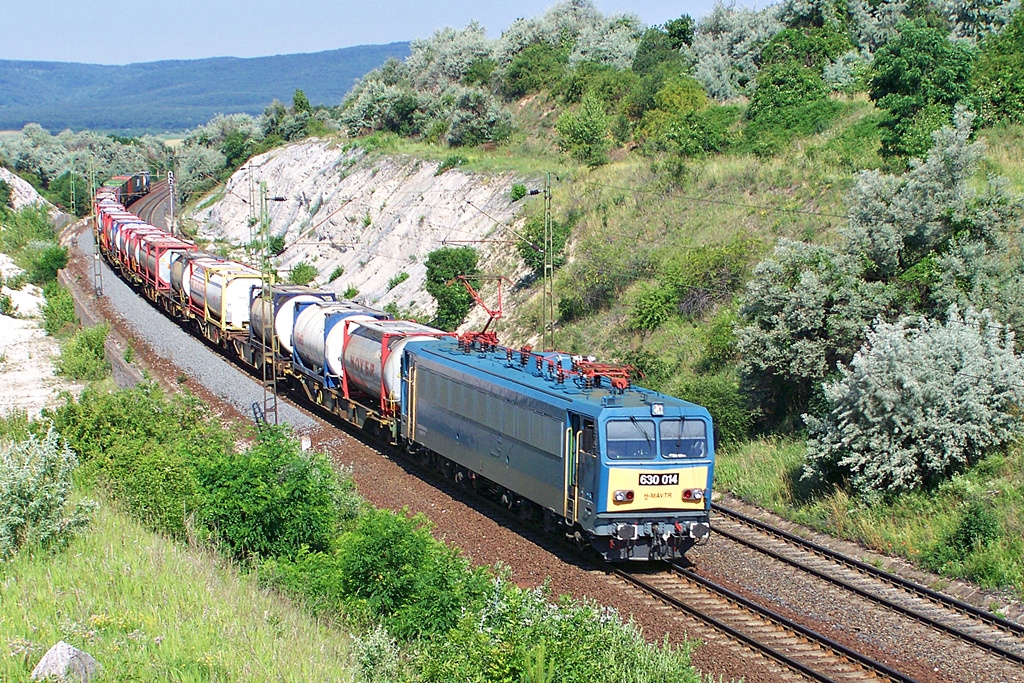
x,y
147,31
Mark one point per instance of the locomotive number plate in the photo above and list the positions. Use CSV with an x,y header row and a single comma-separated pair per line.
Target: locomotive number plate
x,y
667,479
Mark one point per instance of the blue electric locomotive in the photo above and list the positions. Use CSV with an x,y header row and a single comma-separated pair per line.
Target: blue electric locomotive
x,y
626,468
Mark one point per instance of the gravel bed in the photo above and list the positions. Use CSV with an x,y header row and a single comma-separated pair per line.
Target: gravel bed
x,y
901,642
181,350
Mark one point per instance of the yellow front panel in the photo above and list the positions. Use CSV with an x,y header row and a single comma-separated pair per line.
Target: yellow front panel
x,y
655,497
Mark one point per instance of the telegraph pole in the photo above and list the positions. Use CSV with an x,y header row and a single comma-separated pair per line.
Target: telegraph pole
x,y
170,187
548,312
267,275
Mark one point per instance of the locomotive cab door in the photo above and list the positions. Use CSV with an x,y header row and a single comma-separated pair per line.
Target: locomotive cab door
x,y
582,469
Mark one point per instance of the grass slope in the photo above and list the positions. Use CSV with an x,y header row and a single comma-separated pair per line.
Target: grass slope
x,y
149,609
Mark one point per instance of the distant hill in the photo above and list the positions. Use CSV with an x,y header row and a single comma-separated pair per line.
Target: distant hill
x,y
175,95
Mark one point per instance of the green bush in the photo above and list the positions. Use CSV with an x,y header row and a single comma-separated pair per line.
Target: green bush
x,y
920,69
302,274
453,300
651,307
583,133
83,357
5,195
538,66
517,192
451,161
519,631
350,293
997,88
719,339
531,244
276,245
720,394
789,99
155,482
397,280
35,493
336,273
273,499
143,448
59,309
44,267
7,306
388,570
705,276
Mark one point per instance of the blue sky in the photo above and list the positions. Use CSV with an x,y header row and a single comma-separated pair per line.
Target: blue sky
x,y
106,33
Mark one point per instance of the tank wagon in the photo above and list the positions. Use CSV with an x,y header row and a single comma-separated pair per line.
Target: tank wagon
x,y
561,439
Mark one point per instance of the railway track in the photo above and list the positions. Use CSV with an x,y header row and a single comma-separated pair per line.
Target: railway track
x,y
945,614
150,207
809,654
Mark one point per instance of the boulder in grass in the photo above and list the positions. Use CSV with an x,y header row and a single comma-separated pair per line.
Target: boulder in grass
x,y
66,663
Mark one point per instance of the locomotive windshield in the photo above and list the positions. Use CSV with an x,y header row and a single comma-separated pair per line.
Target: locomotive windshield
x,y
684,439
631,440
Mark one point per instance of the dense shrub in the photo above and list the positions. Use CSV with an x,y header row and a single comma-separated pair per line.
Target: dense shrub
x,y
919,403
302,273
704,276
5,195
650,307
802,314
917,79
790,99
83,357
272,499
583,133
386,569
702,133
453,300
538,66
44,266
531,243
727,46
720,394
997,89
35,494
898,222
142,447
519,634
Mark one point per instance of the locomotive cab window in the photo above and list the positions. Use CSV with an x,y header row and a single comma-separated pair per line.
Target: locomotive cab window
x,y
684,439
631,439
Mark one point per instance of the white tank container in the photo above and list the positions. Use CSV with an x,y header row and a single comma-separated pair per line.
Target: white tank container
x,y
223,289
260,313
181,272
364,353
317,348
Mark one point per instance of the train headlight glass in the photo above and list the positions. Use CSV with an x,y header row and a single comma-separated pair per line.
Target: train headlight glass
x,y
657,409
623,496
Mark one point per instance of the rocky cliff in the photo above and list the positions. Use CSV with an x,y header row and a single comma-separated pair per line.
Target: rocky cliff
x,y
373,216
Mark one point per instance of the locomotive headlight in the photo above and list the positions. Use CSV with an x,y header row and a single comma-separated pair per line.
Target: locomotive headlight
x,y
623,496
657,409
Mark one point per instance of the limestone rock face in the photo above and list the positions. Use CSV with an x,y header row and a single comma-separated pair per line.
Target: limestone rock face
x,y
66,663
372,218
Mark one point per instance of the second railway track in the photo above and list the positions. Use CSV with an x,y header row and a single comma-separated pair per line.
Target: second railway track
x,y
944,614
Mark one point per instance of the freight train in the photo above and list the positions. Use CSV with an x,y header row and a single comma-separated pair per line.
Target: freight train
x,y
560,438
